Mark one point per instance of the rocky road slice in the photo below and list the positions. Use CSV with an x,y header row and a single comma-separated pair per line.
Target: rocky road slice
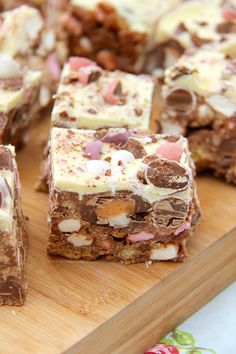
x,y
120,195
199,101
12,232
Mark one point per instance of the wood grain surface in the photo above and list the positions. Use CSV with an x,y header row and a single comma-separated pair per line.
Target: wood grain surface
x,y
98,307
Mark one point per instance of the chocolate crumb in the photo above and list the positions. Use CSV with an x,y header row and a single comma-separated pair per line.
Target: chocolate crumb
x,y
92,111
108,173
138,111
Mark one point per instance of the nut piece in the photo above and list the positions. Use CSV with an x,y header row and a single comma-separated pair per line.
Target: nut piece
x,y
164,253
69,225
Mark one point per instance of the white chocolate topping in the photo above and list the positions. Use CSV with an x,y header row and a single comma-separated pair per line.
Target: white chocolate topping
x,y
85,106
208,74
10,98
73,170
200,23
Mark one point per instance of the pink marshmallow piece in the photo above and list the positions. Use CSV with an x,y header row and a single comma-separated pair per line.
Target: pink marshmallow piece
x,y
110,96
170,151
141,236
93,149
84,73
76,63
229,14
54,66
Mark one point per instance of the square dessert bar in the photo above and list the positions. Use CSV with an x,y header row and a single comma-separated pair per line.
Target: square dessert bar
x,y
91,98
115,33
19,96
118,34
120,196
25,37
194,24
199,100
12,232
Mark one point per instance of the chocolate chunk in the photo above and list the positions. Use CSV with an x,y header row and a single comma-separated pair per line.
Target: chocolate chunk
x,y
182,70
87,209
141,177
138,111
181,101
197,41
166,174
226,27
226,152
141,205
94,74
12,291
119,93
169,213
136,147
92,111
6,159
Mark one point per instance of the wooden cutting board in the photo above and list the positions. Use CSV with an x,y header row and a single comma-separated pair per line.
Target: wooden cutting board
x,y
98,307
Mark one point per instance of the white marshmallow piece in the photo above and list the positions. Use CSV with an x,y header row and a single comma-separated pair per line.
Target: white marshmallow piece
x,y
222,105
79,240
44,96
97,167
33,26
119,220
124,156
164,253
48,40
69,225
9,68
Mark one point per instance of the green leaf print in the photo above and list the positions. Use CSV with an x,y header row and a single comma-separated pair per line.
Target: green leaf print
x,y
183,338
168,340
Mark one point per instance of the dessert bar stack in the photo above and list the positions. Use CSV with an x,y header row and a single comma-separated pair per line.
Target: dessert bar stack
x,y
116,190
199,100
89,97
12,232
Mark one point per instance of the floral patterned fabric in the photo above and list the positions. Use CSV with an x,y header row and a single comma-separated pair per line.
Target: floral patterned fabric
x,y
210,330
